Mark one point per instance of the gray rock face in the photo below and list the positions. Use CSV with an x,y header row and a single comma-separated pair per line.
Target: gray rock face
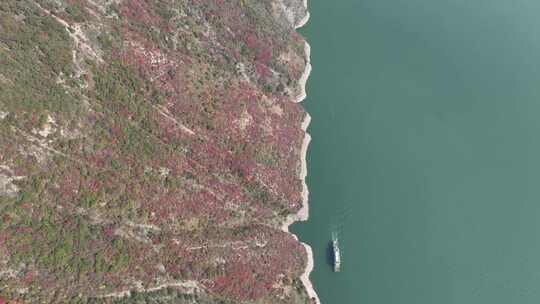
x,y
295,11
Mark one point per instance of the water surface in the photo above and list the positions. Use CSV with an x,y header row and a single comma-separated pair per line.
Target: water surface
x,y
426,150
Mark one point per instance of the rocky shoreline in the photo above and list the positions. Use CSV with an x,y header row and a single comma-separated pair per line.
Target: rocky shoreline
x,y
303,213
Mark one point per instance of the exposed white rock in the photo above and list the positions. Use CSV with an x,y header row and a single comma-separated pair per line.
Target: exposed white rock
x,y
188,287
48,128
7,187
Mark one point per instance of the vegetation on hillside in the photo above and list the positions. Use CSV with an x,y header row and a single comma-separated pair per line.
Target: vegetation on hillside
x,y
149,151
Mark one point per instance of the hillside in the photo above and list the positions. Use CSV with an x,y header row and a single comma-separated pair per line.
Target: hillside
x,y
150,151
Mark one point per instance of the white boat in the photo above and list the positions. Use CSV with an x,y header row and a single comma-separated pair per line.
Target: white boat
x,y
337,254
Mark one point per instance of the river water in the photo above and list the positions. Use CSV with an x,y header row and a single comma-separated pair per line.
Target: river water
x,y
426,150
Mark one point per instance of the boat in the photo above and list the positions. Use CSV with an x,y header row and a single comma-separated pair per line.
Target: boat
x,y
337,253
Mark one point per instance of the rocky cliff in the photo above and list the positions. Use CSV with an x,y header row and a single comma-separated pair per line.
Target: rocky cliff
x,y
150,151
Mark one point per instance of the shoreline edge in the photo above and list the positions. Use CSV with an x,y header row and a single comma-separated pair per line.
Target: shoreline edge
x,y
303,213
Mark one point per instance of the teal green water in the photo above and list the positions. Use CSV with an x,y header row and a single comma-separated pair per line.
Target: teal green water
x,y
426,150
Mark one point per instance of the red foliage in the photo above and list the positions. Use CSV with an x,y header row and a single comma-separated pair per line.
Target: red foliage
x,y
262,70
108,231
138,10
264,55
251,41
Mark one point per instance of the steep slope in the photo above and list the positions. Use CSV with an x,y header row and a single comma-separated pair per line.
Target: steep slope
x,y
150,151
